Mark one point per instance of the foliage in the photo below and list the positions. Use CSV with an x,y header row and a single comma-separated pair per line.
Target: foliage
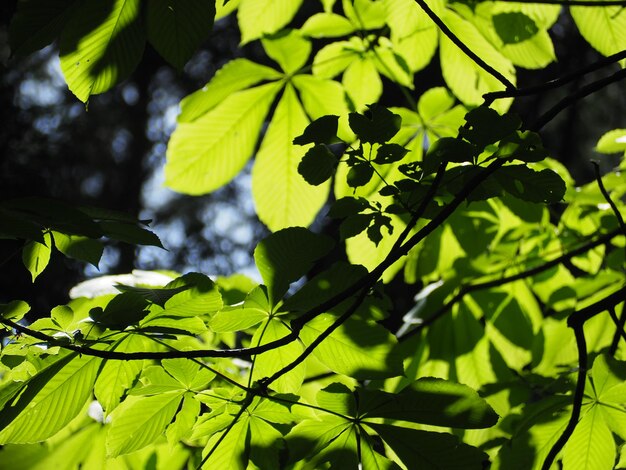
x,y
513,354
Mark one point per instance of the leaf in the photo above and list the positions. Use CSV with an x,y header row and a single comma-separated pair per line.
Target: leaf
x,y
321,131
354,224
422,449
486,126
310,436
448,149
139,421
591,446
207,153
101,44
377,125
155,295
265,442
189,373
544,186
231,451
234,76
77,247
269,362
122,311
358,349
360,174
14,310
390,153
465,78
202,297
289,49
285,256
116,377
185,419
429,401
362,83
326,25
612,142
337,398
37,23
36,256
514,27
176,29
49,401
259,17
129,233
282,197
603,28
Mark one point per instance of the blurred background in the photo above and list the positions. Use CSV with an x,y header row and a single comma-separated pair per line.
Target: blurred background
x,y
112,154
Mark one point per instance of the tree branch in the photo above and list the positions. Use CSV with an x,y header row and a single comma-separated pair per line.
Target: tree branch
x,y
466,50
579,392
577,96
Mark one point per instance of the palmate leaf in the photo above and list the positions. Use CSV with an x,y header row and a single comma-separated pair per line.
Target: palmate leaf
x,y
207,153
289,49
176,29
101,44
282,197
359,349
139,421
591,446
49,400
77,247
265,441
201,298
231,451
310,436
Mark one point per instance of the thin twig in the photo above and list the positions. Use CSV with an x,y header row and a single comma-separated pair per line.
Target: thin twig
x,y
571,99
579,392
465,290
466,50
619,330
557,82
607,197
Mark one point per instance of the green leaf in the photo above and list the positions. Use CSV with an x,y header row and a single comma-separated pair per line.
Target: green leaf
x,y
544,186
255,309
207,153
422,449
362,82
466,79
365,14
236,75
49,401
14,310
318,165
101,44
189,373
202,297
326,25
431,401
36,256
139,421
116,377
129,233
176,29
285,256
448,149
259,17
310,436
265,442
485,126
185,419
77,247
269,362
377,125
289,49
155,295
282,197
338,398
612,142
123,310
321,131
36,24
231,451
358,349
390,153
514,27
591,446
360,174
603,28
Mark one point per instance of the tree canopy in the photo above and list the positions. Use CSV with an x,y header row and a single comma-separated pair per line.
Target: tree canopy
x,y
373,187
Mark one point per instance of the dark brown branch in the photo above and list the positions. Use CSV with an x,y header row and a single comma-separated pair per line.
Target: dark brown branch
x,y
607,197
466,50
579,392
508,279
581,316
577,96
619,330
557,82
